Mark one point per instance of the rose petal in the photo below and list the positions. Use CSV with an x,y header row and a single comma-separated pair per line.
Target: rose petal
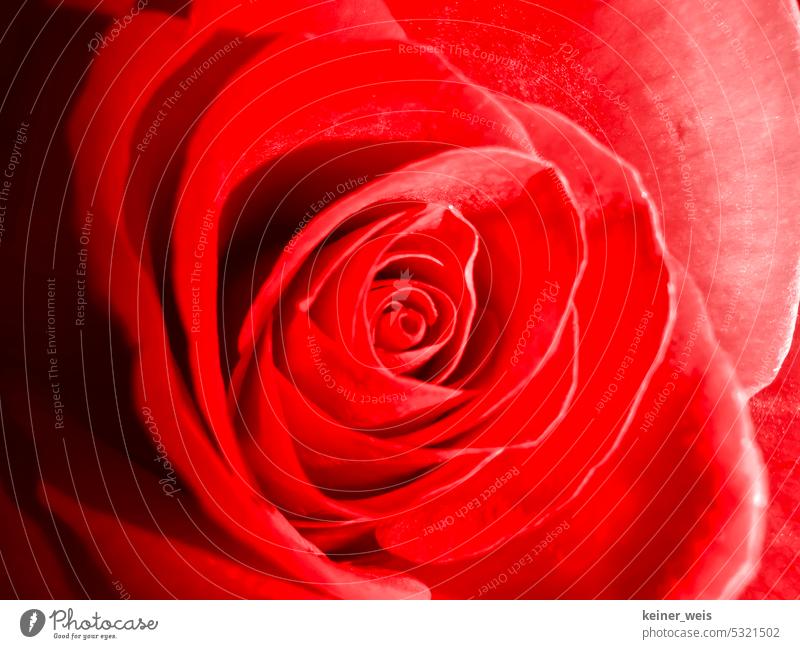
x,y
775,417
161,547
355,19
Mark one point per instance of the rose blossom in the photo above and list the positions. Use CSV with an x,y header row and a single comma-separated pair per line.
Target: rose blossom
x,y
421,301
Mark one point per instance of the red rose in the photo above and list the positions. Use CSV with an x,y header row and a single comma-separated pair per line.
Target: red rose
x,y
422,301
